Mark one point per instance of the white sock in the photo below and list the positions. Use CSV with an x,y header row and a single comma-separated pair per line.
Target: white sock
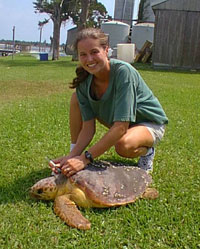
x,y
149,151
72,146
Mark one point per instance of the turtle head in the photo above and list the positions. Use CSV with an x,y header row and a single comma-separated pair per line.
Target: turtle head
x,y
45,189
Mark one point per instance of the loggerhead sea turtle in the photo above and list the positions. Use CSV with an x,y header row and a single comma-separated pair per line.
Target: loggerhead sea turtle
x,y
100,185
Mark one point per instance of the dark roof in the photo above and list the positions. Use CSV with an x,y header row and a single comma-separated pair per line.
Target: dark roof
x,y
184,5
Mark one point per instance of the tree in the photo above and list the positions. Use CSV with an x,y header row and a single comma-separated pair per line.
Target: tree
x,y
59,11
41,25
85,4
97,14
84,13
90,13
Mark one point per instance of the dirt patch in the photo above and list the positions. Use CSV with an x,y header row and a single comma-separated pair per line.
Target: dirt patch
x,y
15,90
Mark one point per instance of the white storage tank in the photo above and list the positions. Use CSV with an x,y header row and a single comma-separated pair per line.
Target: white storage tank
x,y
142,32
118,32
126,52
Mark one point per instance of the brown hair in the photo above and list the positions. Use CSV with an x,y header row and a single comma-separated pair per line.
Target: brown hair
x,y
94,33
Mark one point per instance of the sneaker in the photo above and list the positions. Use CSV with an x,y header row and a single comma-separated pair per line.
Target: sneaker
x,y
146,162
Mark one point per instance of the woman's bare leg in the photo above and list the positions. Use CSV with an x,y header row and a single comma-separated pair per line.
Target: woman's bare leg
x,y
75,119
135,142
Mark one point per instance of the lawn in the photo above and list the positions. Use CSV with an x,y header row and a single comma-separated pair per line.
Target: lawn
x,y
34,107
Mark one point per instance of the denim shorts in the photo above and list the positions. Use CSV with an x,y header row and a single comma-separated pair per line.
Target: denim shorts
x,y
157,131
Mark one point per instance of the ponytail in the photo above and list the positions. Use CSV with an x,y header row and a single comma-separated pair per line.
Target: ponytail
x,y
81,75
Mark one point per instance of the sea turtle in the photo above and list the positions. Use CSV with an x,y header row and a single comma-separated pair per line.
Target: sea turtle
x,y
100,185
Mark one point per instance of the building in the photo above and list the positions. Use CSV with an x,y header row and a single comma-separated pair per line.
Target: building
x,y
177,34
145,12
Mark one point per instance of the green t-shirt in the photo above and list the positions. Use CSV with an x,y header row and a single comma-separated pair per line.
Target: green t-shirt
x,y
127,98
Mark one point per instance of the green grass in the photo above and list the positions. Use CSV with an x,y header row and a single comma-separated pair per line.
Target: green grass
x,y
34,107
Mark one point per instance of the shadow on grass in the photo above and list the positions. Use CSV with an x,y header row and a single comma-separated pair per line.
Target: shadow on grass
x,y
121,162
19,189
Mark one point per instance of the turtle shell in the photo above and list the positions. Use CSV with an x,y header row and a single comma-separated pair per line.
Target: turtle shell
x,y
108,184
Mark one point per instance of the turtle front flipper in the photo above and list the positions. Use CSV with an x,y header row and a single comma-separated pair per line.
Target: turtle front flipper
x,y
67,211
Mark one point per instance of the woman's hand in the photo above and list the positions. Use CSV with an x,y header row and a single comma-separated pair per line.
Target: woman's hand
x,y
58,163
71,166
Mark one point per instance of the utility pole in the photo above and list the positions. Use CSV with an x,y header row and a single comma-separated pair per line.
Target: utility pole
x,y
13,42
40,28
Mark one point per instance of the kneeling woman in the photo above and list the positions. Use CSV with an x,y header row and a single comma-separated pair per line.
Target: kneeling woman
x,y
112,92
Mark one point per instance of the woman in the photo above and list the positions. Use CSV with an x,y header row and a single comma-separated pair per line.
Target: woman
x,y
112,92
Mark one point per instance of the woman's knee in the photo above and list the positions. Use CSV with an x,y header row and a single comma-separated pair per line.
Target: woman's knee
x,y
130,150
122,147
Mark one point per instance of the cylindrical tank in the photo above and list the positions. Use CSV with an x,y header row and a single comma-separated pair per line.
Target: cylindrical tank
x,y
142,32
118,32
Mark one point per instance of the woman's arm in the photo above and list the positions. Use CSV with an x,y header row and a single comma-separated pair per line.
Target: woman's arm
x,y
109,139
76,163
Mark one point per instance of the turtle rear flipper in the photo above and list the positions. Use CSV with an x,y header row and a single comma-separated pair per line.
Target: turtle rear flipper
x,y
150,193
67,211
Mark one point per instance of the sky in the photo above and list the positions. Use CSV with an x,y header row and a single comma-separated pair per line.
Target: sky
x,y
21,14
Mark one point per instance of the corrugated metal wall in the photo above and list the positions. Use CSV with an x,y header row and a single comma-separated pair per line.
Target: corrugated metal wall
x,y
177,39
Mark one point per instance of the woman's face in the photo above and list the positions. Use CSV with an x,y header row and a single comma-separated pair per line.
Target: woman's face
x,y
92,56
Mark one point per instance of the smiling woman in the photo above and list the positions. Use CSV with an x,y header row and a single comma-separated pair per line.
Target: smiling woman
x,y
93,57
112,92
84,49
